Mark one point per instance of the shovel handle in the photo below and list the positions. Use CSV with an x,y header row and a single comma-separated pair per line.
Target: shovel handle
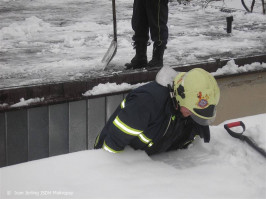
x,y
114,20
235,124
243,137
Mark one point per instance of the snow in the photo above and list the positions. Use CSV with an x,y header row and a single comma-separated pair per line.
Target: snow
x,y
104,88
45,41
111,88
229,68
24,102
232,68
3,105
224,168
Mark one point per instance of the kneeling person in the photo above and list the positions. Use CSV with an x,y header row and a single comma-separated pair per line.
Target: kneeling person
x,y
163,115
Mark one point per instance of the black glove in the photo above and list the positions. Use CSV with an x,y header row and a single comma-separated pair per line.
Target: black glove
x,y
202,131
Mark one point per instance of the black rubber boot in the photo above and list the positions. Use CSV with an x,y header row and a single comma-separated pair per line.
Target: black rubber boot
x,y
140,59
157,56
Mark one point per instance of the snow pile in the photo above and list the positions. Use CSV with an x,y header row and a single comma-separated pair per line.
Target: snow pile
x,y
229,68
232,68
3,105
23,30
24,102
111,88
224,168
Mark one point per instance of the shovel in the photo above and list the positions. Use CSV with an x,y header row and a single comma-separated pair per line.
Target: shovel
x,y
243,137
113,46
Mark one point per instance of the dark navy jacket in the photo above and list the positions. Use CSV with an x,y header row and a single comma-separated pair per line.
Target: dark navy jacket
x,y
147,120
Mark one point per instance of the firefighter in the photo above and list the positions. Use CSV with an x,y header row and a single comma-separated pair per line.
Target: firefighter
x,y
163,115
149,16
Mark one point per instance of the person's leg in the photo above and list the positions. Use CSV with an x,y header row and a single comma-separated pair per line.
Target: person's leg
x,y
157,12
139,22
141,35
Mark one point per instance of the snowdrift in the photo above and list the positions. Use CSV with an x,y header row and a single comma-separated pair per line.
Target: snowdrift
x,y
224,168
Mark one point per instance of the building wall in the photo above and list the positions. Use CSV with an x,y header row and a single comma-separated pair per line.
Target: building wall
x,y
241,96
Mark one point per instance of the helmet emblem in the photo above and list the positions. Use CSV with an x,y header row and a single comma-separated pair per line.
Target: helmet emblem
x,y
203,100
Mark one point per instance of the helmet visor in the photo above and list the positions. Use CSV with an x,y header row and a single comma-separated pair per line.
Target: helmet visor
x,y
203,121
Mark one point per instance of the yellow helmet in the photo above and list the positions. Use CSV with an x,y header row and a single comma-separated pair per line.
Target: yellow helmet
x,y
197,90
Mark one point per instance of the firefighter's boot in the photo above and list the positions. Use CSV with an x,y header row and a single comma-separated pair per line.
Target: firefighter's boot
x,y
140,59
157,56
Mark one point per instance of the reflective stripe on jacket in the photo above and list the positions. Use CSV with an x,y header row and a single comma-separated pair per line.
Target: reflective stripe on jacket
x,y
145,120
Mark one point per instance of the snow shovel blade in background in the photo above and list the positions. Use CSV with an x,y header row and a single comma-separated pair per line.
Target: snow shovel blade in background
x,y
113,46
243,137
109,54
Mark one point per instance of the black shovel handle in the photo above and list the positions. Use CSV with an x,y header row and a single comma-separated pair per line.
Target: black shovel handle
x,y
255,146
114,20
235,124
243,137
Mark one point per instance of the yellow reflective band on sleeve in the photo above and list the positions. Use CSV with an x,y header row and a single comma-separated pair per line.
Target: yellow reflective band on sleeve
x,y
144,139
124,128
123,103
150,144
107,148
131,131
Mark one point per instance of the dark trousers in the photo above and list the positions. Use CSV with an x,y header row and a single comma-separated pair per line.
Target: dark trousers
x,y
150,15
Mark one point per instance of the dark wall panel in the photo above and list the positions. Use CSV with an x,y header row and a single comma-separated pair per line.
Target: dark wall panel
x,y
38,133
53,130
2,140
77,126
58,129
96,119
17,137
111,104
